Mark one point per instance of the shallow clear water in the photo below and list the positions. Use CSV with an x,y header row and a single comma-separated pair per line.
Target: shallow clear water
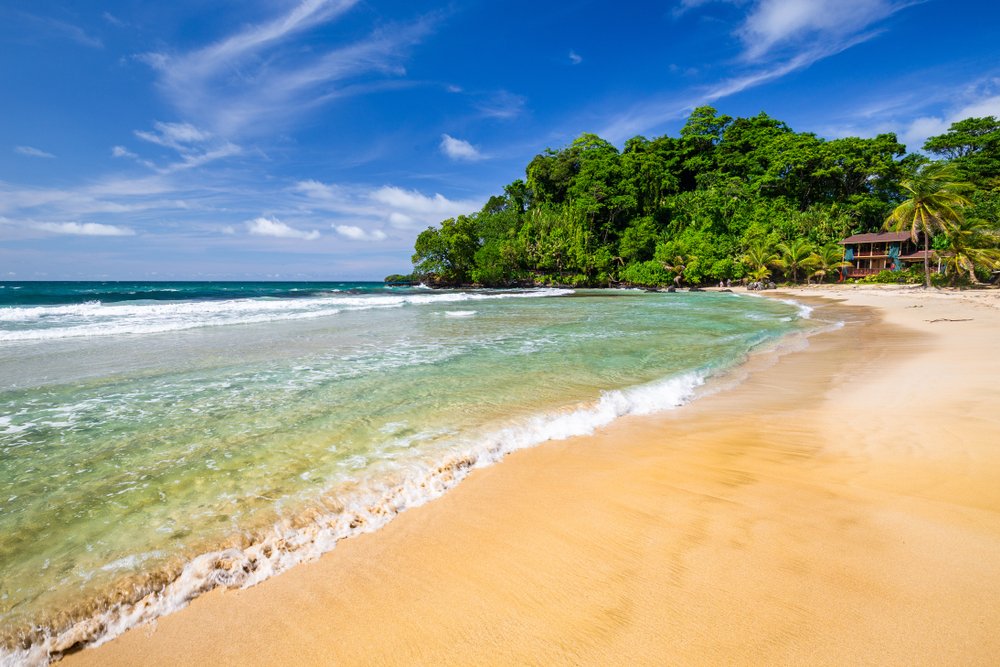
x,y
160,439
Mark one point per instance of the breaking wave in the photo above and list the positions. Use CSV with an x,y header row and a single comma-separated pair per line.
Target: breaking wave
x,y
367,507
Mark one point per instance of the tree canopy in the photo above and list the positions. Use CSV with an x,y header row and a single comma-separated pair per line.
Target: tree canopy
x,y
711,204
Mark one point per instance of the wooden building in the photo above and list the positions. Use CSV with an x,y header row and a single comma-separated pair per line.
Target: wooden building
x,y
872,253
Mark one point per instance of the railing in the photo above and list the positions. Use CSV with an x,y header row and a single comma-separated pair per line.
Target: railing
x,y
857,273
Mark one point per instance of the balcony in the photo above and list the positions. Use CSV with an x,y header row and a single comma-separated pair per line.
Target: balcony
x,y
861,273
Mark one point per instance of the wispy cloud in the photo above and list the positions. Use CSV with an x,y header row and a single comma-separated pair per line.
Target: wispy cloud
x,y
575,58
374,207
179,136
121,151
502,104
777,38
685,5
105,197
113,20
31,151
63,29
194,146
251,80
459,149
816,25
917,106
277,229
355,233
84,229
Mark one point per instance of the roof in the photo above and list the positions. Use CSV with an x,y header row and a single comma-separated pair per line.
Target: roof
x,y
919,255
884,237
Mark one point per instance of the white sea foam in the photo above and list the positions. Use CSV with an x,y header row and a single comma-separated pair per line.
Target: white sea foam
x,y
804,311
460,313
377,501
97,319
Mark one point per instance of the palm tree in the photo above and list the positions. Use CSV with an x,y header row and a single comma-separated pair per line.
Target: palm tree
x,y
968,247
678,265
759,258
827,260
934,203
795,255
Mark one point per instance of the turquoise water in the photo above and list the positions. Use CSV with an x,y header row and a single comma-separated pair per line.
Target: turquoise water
x,y
160,439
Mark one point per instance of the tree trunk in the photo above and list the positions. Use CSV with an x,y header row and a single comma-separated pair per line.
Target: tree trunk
x,y
927,261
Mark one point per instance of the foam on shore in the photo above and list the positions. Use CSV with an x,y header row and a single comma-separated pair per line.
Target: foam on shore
x,y
373,504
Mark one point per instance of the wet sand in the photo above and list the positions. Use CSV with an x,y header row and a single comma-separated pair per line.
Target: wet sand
x,y
841,505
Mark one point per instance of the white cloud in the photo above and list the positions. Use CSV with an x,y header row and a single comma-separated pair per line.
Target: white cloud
x,y
254,79
419,207
916,132
397,219
84,229
772,24
277,229
121,151
395,206
919,129
355,233
989,106
459,149
575,58
31,151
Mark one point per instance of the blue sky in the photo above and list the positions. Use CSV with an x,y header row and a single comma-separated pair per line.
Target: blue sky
x,y
313,139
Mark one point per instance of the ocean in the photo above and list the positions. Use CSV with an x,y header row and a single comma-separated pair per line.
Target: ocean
x,y
158,440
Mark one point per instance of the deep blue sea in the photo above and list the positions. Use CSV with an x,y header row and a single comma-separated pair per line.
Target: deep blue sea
x,y
161,439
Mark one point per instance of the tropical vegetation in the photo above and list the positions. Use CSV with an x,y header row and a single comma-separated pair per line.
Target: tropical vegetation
x,y
729,199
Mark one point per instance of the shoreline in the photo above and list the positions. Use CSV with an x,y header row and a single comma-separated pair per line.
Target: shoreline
x,y
481,575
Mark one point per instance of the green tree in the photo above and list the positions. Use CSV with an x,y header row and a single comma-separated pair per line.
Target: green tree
x,y
759,258
971,244
827,260
972,145
795,256
638,241
934,205
721,195
678,266
448,252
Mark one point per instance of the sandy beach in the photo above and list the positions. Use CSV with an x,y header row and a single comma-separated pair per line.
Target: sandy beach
x,y
838,504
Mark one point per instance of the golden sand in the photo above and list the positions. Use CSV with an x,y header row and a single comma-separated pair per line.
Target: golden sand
x,y
839,506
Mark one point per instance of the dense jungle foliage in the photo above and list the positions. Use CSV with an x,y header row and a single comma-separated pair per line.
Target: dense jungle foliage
x,y
729,199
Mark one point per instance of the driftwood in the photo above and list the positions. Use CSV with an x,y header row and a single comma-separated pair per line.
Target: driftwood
x,y
945,319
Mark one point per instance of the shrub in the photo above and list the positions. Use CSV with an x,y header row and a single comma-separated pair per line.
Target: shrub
x,y
910,275
644,274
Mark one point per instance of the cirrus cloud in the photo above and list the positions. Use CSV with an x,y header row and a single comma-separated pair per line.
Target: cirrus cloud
x,y
84,229
256,77
31,151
